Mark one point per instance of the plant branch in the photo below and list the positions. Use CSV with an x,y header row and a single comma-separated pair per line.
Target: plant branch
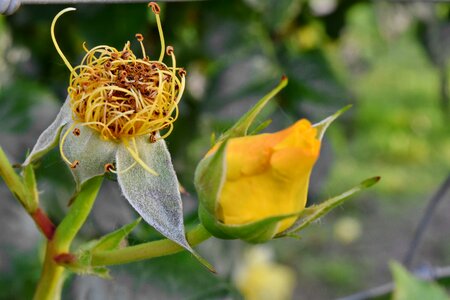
x,y
25,194
425,221
148,250
439,274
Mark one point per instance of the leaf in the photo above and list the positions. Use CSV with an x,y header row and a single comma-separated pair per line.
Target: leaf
x,y
408,287
112,240
312,213
155,197
240,128
49,138
322,126
89,149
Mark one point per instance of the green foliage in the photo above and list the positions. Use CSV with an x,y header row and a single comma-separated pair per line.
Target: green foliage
x,y
408,287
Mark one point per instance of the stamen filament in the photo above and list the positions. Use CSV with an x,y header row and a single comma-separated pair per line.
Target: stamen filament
x,y
137,158
61,144
156,11
55,43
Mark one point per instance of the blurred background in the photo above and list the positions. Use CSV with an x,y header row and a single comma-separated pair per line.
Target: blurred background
x,y
390,59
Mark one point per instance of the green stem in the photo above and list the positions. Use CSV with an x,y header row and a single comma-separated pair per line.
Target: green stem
x,y
148,250
52,278
13,181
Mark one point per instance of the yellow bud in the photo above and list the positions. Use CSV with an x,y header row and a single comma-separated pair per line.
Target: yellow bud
x,y
268,175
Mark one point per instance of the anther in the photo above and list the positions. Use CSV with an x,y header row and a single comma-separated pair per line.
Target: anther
x,y
74,164
76,132
109,167
155,7
152,138
169,50
139,37
182,72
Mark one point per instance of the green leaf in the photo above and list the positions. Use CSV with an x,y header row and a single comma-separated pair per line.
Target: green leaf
x,y
240,128
314,212
322,126
112,240
408,287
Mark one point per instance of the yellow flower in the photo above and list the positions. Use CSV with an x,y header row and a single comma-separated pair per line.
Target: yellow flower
x,y
255,187
117,113
267,175
258,277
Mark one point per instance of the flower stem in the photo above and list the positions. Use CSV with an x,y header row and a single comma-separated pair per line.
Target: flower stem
x,y
148,250
52,277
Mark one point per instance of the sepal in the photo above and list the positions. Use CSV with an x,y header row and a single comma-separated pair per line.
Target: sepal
x,y
49,138
322,126
240,128
314,212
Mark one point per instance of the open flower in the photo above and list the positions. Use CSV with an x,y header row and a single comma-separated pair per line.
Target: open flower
x,y
118,111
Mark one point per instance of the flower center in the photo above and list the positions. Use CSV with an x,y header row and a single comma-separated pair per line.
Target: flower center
x,y
120,95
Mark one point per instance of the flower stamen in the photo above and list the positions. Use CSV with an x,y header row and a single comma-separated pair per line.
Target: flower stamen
x,y
134,154
55,43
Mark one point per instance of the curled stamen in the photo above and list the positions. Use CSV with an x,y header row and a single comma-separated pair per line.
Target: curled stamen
x,y
156,10
139,37
169,50
109,168
182,72
55,43
74,164
155,7
76,132
152,138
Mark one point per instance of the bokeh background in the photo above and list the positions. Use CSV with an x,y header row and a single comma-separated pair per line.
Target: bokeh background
x,y
390,59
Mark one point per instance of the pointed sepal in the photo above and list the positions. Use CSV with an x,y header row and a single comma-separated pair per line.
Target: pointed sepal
x,y
86,146
314,212
240,128
155,197
49,138
114,239
322,126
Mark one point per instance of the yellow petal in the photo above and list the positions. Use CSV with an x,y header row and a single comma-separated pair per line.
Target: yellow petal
x,y
268,175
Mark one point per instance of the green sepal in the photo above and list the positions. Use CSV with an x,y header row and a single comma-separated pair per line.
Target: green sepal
x,y
81,266
240,128
256,232
209,177
314,212
113,240
322,126
261,127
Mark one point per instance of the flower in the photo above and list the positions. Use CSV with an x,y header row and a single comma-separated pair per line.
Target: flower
x,y
267,175
258,277
118,111
254,187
